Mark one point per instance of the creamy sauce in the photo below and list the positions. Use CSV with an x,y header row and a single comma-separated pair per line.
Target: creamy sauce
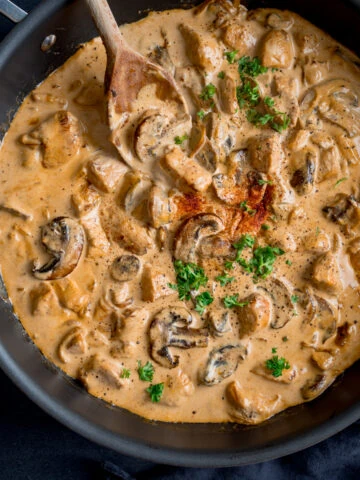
x,y
296,190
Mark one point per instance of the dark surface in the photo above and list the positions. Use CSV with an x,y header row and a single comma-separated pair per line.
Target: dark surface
x,y
33,445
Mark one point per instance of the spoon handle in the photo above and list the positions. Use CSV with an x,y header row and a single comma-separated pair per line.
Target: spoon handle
x,y
106,24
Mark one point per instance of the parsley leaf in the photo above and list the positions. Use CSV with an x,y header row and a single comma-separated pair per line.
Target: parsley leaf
x,y
276,365
179,140
261,181
189,276
224,279
208,92
264,226
251,68
262,262
294,298
288,262
230,56
269,101
125,373
201,114
231,301
246,208
155,392
340,181
273,350
221,75
246,94
245,241
145,372
202,301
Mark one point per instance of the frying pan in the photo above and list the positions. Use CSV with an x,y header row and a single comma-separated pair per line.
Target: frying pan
x,y
22,66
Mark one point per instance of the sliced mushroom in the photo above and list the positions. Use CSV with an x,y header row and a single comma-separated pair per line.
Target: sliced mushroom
x,y
125,268
316,386
221,133
63,239
219,322
192,232
215,247
72,344
302,179
171,328
148,135
344,210
222,363
135,190
207,157
344,333
250,406
354,254
160,55
323,359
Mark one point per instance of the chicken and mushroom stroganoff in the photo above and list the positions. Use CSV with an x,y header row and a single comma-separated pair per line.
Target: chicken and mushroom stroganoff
x,y
211,273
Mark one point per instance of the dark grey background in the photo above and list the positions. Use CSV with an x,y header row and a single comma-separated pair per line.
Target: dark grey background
x,y
33,446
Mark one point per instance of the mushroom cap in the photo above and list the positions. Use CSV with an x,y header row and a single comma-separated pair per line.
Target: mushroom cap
x,y
63,238
192,232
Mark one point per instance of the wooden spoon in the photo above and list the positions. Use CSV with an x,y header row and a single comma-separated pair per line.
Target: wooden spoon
x,y
127,73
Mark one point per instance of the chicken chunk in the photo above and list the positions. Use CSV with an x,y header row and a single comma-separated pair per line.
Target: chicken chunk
x,y
254,316
72,344
130,232
105,172
43,300
323,359
133,321
277,50
354,253
188,170
286,99
98,371
203,50
250,406
239,37
177,389
97,241
326,273
71,296
155,284
288,376
227,95
59,137
317,242
85,200
266,153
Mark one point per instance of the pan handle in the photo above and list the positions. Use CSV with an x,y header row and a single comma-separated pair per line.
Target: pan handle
x,y
12,11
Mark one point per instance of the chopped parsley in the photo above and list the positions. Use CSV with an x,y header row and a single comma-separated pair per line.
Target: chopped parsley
x,y
294,298
269,101
208,92
340,181
224,279
245,241
246,208
259,120
230,56
261,181
288,262
264,226
276,365
231,301
262,262
125,373
285,339
250,68
273,350
246,94
180,140
155,392
201,114
202,301
221,75
145,372
189,276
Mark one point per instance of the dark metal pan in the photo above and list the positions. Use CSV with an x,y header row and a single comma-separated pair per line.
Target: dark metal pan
x,y
22,66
